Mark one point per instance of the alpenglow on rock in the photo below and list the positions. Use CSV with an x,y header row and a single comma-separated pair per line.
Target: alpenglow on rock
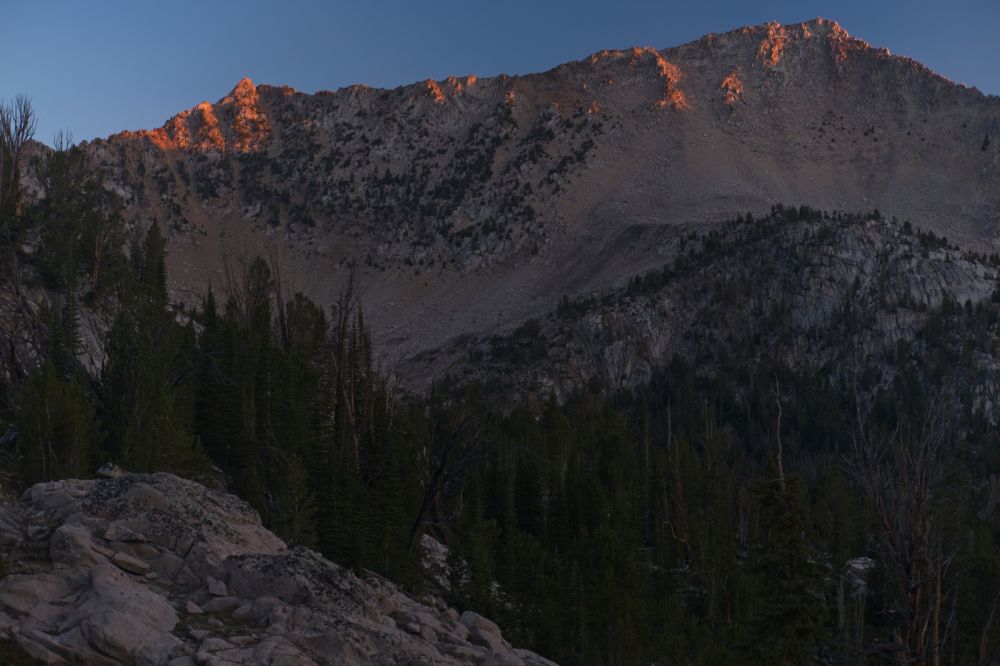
x,y
153,569
468,205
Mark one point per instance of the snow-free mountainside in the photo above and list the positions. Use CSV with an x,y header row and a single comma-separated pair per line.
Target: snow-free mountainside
x,y
470,205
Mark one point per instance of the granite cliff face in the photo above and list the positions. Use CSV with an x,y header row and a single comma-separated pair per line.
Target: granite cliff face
x,y
840,297
467,206
153,569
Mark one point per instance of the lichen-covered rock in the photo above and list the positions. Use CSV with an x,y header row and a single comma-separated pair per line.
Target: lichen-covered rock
x,y
156,570
126,620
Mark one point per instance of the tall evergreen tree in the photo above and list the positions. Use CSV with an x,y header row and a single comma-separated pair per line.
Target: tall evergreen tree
x,y
146,383
60,432
792,611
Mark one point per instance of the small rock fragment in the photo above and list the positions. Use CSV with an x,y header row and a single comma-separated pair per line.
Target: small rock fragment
x,y
36,532
182,661
487,639
167,565
215,644
477,621
219,604
244,612
119,532
216,587
502,659
130,564
463,652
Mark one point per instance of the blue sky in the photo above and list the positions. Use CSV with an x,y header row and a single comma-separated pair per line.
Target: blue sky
x,y
101,66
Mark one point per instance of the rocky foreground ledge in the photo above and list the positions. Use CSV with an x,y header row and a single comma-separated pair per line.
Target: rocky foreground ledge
x,y
153,569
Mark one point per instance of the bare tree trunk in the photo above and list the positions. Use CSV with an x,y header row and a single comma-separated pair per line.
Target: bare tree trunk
x,y
95,263
279,299
903,473
918,650
984,636
936,622
859,621
781,453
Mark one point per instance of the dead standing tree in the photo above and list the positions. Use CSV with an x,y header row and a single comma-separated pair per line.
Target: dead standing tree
x,y
17,127
904,474
456,444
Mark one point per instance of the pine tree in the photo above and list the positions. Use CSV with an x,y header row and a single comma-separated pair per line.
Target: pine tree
x,y
295,501
146,383
81,229
60,433
791,613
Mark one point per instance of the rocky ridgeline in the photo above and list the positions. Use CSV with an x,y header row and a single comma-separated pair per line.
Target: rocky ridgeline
x,y
153,569
465,205
839,296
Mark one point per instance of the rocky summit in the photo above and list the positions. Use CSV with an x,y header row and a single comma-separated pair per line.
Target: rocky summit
x,y
153,569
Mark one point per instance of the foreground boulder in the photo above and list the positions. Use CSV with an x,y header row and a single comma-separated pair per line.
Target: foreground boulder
x,y
153,569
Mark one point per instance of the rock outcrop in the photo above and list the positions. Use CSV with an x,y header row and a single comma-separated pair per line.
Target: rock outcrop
x,y
153,569
836,296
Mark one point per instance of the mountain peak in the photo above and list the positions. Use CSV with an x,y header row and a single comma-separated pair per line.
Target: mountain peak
x,y
817,27
821,25
243,93
765,44
244,87
774,39
237,122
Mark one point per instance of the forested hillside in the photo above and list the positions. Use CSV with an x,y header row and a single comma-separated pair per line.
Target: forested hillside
x,y
735,502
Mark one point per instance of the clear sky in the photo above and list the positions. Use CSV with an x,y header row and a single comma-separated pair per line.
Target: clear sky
x,y
95,67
